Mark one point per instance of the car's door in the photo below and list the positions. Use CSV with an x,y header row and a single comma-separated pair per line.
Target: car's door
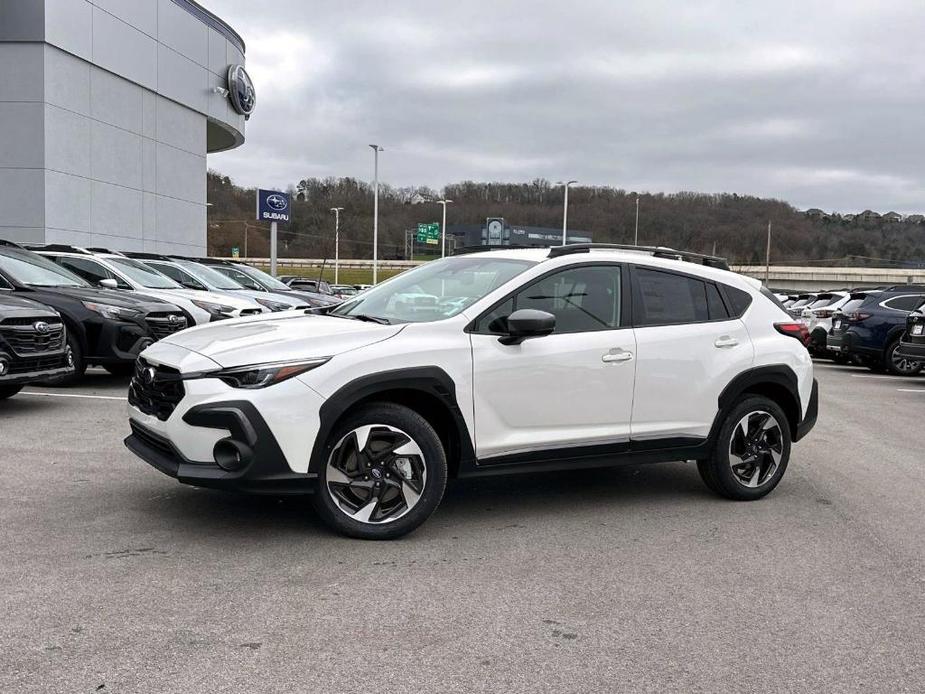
x,y
571,388
689,346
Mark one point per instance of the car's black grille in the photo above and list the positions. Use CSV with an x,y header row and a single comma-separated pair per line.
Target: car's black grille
x,y
153,440
27,336
30,364
155,390
164,324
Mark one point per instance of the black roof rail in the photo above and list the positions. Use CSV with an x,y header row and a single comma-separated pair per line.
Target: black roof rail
x,y
657,251
145,256
465,250
903,287
57,247
11,244
98,249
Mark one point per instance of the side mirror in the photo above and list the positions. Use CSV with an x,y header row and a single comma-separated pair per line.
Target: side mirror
x,y
109,284
526,323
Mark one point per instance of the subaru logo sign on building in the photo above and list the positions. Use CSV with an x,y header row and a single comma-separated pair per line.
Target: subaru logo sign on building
x,y
241,91
272,206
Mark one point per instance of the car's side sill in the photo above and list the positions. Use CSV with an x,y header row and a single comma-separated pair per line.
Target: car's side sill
x,y
600,455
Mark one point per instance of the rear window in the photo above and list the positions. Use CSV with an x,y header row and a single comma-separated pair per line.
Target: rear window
x,y
824,300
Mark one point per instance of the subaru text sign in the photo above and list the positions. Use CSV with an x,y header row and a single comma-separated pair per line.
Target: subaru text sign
x,y
272,206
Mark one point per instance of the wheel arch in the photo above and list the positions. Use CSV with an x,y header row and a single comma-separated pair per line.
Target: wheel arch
x,y
429,391
777,383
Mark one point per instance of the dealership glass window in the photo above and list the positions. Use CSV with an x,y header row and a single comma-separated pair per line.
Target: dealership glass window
x,y
665,298
583,299
91,270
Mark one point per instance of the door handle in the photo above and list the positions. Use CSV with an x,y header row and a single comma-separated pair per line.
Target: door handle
x,y
725,341
613,356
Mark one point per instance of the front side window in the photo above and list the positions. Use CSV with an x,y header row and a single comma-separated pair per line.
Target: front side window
x,y
208,276
664,298
91,271
583,299
37,271
244,280
179,276
434,291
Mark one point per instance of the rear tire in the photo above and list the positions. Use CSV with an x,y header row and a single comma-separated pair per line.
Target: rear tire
x,y
9,391
751,451
384,473
899,366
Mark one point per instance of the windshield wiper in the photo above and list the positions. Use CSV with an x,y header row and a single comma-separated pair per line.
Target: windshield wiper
x,y
369,319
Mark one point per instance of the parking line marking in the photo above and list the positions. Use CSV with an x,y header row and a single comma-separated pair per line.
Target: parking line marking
x,y
911,390
72,395
884,376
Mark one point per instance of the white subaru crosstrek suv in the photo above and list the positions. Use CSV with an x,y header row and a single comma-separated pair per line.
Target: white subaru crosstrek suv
x,y
478,364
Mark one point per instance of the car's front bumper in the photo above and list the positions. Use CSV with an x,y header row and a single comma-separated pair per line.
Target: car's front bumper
x,y
40,367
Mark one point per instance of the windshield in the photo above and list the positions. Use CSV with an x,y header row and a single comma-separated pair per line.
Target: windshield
x,y
801,303
37,271
262,278
826,300
854,304
440,289
143,275
208,275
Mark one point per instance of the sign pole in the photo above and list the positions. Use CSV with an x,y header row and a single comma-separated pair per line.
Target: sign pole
x,y
273,248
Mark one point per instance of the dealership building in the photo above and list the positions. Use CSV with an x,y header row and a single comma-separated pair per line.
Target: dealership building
x,y
108,109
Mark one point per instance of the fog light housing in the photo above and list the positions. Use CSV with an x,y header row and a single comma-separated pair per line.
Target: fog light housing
x,y
69,358
231,455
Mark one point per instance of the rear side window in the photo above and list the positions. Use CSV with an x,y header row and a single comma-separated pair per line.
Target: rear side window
x,y
715,303
904,303
663,298
739,300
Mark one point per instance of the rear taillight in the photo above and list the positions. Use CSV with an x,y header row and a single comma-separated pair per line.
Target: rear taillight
x,y
857,316
824,314
795,330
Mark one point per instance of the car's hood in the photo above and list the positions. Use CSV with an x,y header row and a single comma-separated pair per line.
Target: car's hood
x,y
279,337
113,297
11,306
325,299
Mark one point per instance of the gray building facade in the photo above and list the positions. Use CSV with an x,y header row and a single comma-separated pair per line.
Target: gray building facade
x,y
108,109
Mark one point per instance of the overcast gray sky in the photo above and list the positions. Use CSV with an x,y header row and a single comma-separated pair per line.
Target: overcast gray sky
x,y
818,103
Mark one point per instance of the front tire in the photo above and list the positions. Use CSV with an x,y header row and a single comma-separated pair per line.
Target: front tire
x,y
9,391
751,452
385,473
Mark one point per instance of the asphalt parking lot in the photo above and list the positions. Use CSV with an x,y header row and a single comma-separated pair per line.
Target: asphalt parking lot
x,y
118,579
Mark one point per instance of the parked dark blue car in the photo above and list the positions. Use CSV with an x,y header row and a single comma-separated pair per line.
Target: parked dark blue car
x,y
870,325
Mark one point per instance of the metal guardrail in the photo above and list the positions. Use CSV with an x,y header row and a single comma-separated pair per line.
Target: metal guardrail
x,y
329,263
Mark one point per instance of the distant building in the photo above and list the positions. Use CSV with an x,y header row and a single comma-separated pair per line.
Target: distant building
x,y
892,217
497,232
416,199
847,217
816,213
867,216
915,218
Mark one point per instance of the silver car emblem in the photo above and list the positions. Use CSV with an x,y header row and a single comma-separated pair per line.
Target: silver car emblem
x,y
148,375
41,327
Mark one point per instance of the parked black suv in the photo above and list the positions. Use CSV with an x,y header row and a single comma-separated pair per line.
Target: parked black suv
x,y
912,343
104,326
33,344
870,325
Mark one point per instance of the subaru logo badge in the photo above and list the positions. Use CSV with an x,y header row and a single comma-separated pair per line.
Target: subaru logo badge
x,y
41,327
173,319
148,375
376,472
277,202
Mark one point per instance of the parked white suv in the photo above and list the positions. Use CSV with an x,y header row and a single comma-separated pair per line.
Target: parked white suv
x,y
479,364
817,317
114,270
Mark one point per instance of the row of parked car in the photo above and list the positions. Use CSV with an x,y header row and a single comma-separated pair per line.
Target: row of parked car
x,y
881,328
64,308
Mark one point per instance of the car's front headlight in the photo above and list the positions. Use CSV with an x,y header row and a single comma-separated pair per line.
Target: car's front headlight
x,y
215,310
273,305
263,375
110,311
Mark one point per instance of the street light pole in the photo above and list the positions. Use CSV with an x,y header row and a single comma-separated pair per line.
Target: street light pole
x,y
376,150
767,258
636,240
565,211
336,211
443,202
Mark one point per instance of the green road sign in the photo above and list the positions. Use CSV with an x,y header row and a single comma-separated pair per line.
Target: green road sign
x,y
429,233
235,252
